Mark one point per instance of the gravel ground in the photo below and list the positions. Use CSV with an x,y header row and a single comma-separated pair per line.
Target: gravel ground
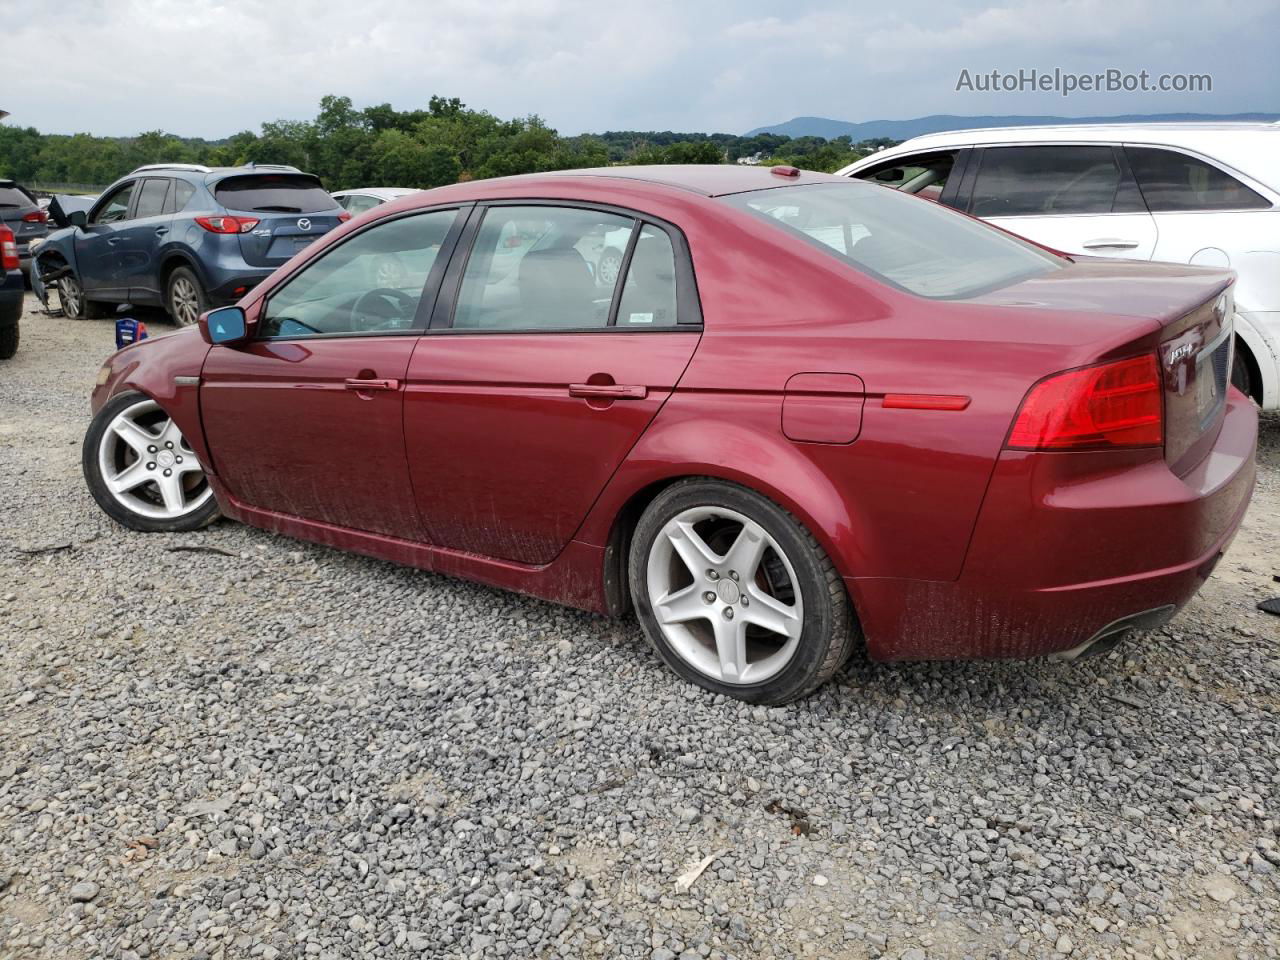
x,y
276,750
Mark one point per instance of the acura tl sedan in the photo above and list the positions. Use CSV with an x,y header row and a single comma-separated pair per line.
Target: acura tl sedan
x,y
808,412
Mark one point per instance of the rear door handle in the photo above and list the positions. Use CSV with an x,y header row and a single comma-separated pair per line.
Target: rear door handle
x,y
609,391
1110,243
362,386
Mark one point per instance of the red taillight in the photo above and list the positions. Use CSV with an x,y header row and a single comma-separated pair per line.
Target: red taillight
x,y
226,224
38,216
1115,404
344,216
8,250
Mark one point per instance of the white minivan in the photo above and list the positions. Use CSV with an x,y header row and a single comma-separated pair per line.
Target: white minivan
x,y
1201,193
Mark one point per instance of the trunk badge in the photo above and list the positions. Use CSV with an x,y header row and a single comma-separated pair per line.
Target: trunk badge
x,y
304,224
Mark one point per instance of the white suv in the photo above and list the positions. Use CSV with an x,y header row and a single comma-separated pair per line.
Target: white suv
x,y
1183,192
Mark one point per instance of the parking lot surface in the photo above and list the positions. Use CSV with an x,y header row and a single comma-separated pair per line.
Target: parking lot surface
x,y
229,744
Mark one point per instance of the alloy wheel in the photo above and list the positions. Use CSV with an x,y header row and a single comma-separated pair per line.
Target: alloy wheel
x,y
147,465
725,595
71,296
184,302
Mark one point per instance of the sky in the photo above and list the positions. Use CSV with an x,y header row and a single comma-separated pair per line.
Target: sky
x,y
213,67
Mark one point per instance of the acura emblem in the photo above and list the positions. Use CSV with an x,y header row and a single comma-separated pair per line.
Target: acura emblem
x,y
304,224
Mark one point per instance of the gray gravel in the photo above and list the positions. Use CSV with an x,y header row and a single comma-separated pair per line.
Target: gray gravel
x,y
291,752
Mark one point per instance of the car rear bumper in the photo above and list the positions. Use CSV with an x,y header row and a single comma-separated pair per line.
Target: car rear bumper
x,y
230,289
1058,560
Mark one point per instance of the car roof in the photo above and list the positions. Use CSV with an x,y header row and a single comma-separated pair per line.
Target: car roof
x,y
1251,148
382,193
708,180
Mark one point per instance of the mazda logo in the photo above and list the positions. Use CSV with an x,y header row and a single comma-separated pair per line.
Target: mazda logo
x,y
304,224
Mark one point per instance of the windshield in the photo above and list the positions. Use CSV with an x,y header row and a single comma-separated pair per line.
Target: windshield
x,y
274,192
910,243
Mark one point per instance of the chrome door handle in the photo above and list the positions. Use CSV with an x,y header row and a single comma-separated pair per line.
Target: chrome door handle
x,y
1110,243
362,386
609,391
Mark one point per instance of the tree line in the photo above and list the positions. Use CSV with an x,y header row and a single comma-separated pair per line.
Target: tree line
x,y
378,145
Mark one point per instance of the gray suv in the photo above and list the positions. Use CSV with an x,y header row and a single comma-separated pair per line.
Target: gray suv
x,y
21,213
184,237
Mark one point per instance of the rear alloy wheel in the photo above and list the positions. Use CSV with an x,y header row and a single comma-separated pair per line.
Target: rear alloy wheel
x,y
141,470
736,596
184,297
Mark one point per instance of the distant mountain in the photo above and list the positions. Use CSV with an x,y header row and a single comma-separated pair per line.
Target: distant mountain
x,y
906,129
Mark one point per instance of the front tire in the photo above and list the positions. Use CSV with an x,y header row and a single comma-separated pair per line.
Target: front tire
x,y
736,596
141,470
185,298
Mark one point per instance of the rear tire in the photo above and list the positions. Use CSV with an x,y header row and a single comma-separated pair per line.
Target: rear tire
x,y
8,342
758,572
184,297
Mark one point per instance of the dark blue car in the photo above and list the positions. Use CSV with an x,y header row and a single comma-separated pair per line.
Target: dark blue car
x,y
184,237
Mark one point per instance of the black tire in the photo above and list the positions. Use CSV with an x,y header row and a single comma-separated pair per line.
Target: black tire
x,y
1242,377
829,626
74,305
8,342
183,284
200,517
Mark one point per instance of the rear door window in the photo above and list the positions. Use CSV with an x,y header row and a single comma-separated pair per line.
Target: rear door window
x,y
1047,180
1173,181
15,196
274,192
151,198
359,202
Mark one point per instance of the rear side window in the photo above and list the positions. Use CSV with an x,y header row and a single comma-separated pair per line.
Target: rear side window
x,y
179,196
649,293
274,192
1048,180
15,196
1173,181
917,246
151,199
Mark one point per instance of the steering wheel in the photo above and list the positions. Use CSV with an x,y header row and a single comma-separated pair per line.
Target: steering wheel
x,y
382,308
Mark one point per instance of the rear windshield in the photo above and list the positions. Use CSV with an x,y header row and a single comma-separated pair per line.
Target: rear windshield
x,y
12,195
910,243
279,192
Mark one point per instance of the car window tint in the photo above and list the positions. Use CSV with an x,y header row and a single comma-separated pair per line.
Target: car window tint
x,y
649,293
1042,181
1174,181
116,207
538,268
368,284
924,174
151,199
921,247
180,194
274,192
15,196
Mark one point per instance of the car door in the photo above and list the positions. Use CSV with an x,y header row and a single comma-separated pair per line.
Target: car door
x,y
539,374
1076,198
142,234
98,250
306,419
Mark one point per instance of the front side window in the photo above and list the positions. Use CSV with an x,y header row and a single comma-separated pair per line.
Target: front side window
x,y
1048,180
919,247
925,174
537,268
151,198
1173,181
372,283
116,207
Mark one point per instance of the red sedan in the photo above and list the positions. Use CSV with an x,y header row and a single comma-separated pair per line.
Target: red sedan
x,y
802,411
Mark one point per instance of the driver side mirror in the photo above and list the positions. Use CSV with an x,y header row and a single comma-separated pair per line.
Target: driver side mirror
x,y
227,326
78,218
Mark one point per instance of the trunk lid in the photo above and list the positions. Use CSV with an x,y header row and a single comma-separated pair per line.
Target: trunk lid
x,y
1124,308
292,209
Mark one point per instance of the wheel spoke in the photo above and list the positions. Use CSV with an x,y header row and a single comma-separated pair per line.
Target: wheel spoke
x,y
691,548
747,551
131,476
682,606
171,490
770,613
731,647
134,435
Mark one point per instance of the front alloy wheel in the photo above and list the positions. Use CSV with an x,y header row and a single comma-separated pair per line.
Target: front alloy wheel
x,y
735,595
141,470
